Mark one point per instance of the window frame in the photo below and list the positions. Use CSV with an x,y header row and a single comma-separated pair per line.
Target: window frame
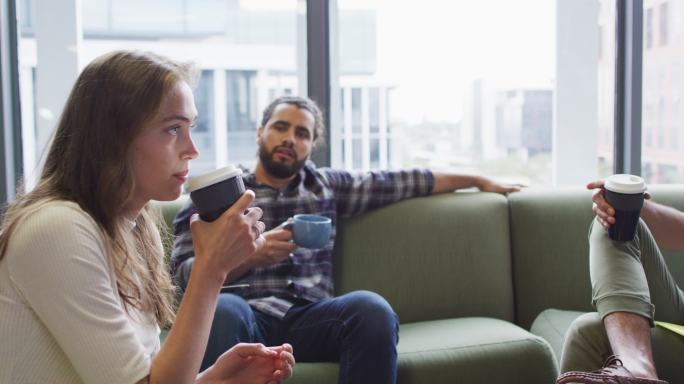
x,y
11,167
628,86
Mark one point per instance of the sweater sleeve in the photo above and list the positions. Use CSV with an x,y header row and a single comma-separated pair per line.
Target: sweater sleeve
x,y
59,266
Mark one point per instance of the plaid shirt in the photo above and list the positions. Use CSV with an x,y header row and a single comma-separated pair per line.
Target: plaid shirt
x,y
307,274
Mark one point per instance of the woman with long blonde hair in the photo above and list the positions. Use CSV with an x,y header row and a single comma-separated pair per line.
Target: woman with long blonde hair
x,y
83,285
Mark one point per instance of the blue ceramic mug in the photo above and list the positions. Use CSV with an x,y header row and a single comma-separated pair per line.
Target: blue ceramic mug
x,y
311,231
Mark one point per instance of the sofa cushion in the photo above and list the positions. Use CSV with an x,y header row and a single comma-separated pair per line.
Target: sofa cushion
x,y
315,373
552,324
436,257
465,350
473,350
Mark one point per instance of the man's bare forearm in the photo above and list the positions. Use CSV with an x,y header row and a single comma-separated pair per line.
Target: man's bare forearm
x,y
449,182
666,225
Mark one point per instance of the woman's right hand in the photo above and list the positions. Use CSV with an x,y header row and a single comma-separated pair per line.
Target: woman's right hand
x,y
225,243
251,364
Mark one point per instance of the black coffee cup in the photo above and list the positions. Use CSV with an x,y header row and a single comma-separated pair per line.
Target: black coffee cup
x,y
625,193
214,192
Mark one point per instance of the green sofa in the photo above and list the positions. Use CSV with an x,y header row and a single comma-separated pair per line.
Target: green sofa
x,y
484,285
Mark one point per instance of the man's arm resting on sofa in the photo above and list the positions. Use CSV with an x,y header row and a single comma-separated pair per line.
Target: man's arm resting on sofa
x,y
449,182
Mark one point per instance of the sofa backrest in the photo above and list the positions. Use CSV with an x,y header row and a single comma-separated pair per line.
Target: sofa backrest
x,y
435,257
475,254
550,251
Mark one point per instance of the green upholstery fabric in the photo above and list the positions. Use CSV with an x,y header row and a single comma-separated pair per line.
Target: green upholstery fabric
x,y
168,210
472,350
429,257
550,251
668,348
463,350
551,325
668,353
314,373
461,268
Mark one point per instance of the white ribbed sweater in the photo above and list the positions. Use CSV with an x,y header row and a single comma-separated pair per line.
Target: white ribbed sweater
x,y
61,319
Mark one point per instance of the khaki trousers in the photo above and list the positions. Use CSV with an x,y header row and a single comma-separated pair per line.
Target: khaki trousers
x,y
625,276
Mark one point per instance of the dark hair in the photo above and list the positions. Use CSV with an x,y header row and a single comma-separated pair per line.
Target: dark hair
x,y
300,102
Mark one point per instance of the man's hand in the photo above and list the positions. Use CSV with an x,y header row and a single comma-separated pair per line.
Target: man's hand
x,y
251,363
276,248
449,182
605,213
486,185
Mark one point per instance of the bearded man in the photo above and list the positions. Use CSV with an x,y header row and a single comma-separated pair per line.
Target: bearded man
x,y
288,295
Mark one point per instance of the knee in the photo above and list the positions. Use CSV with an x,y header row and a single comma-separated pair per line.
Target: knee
x,y
597,233
643,233
232,311
585,324
373,312
585,344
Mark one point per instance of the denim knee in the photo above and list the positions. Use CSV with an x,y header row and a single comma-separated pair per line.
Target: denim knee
x,y
374,315
233,315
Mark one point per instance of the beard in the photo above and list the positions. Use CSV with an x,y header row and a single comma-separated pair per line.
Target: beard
x,y
276,168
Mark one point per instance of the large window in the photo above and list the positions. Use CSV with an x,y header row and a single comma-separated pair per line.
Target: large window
x,y
662,112
520,90
470,86
248,52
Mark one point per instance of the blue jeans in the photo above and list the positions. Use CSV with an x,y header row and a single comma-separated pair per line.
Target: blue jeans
x,y
359,329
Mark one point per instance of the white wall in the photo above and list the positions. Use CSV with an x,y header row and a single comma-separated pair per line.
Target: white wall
x,y
575,130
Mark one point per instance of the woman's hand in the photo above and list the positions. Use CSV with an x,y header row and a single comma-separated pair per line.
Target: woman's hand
x,y
228,241
251,364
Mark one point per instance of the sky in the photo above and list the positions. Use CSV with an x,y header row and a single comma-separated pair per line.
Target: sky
x,y
433,49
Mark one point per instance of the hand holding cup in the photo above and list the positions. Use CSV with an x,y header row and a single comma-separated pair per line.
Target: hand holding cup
x,y
229,240
214,192
229,231
311,231
278,247
617,204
